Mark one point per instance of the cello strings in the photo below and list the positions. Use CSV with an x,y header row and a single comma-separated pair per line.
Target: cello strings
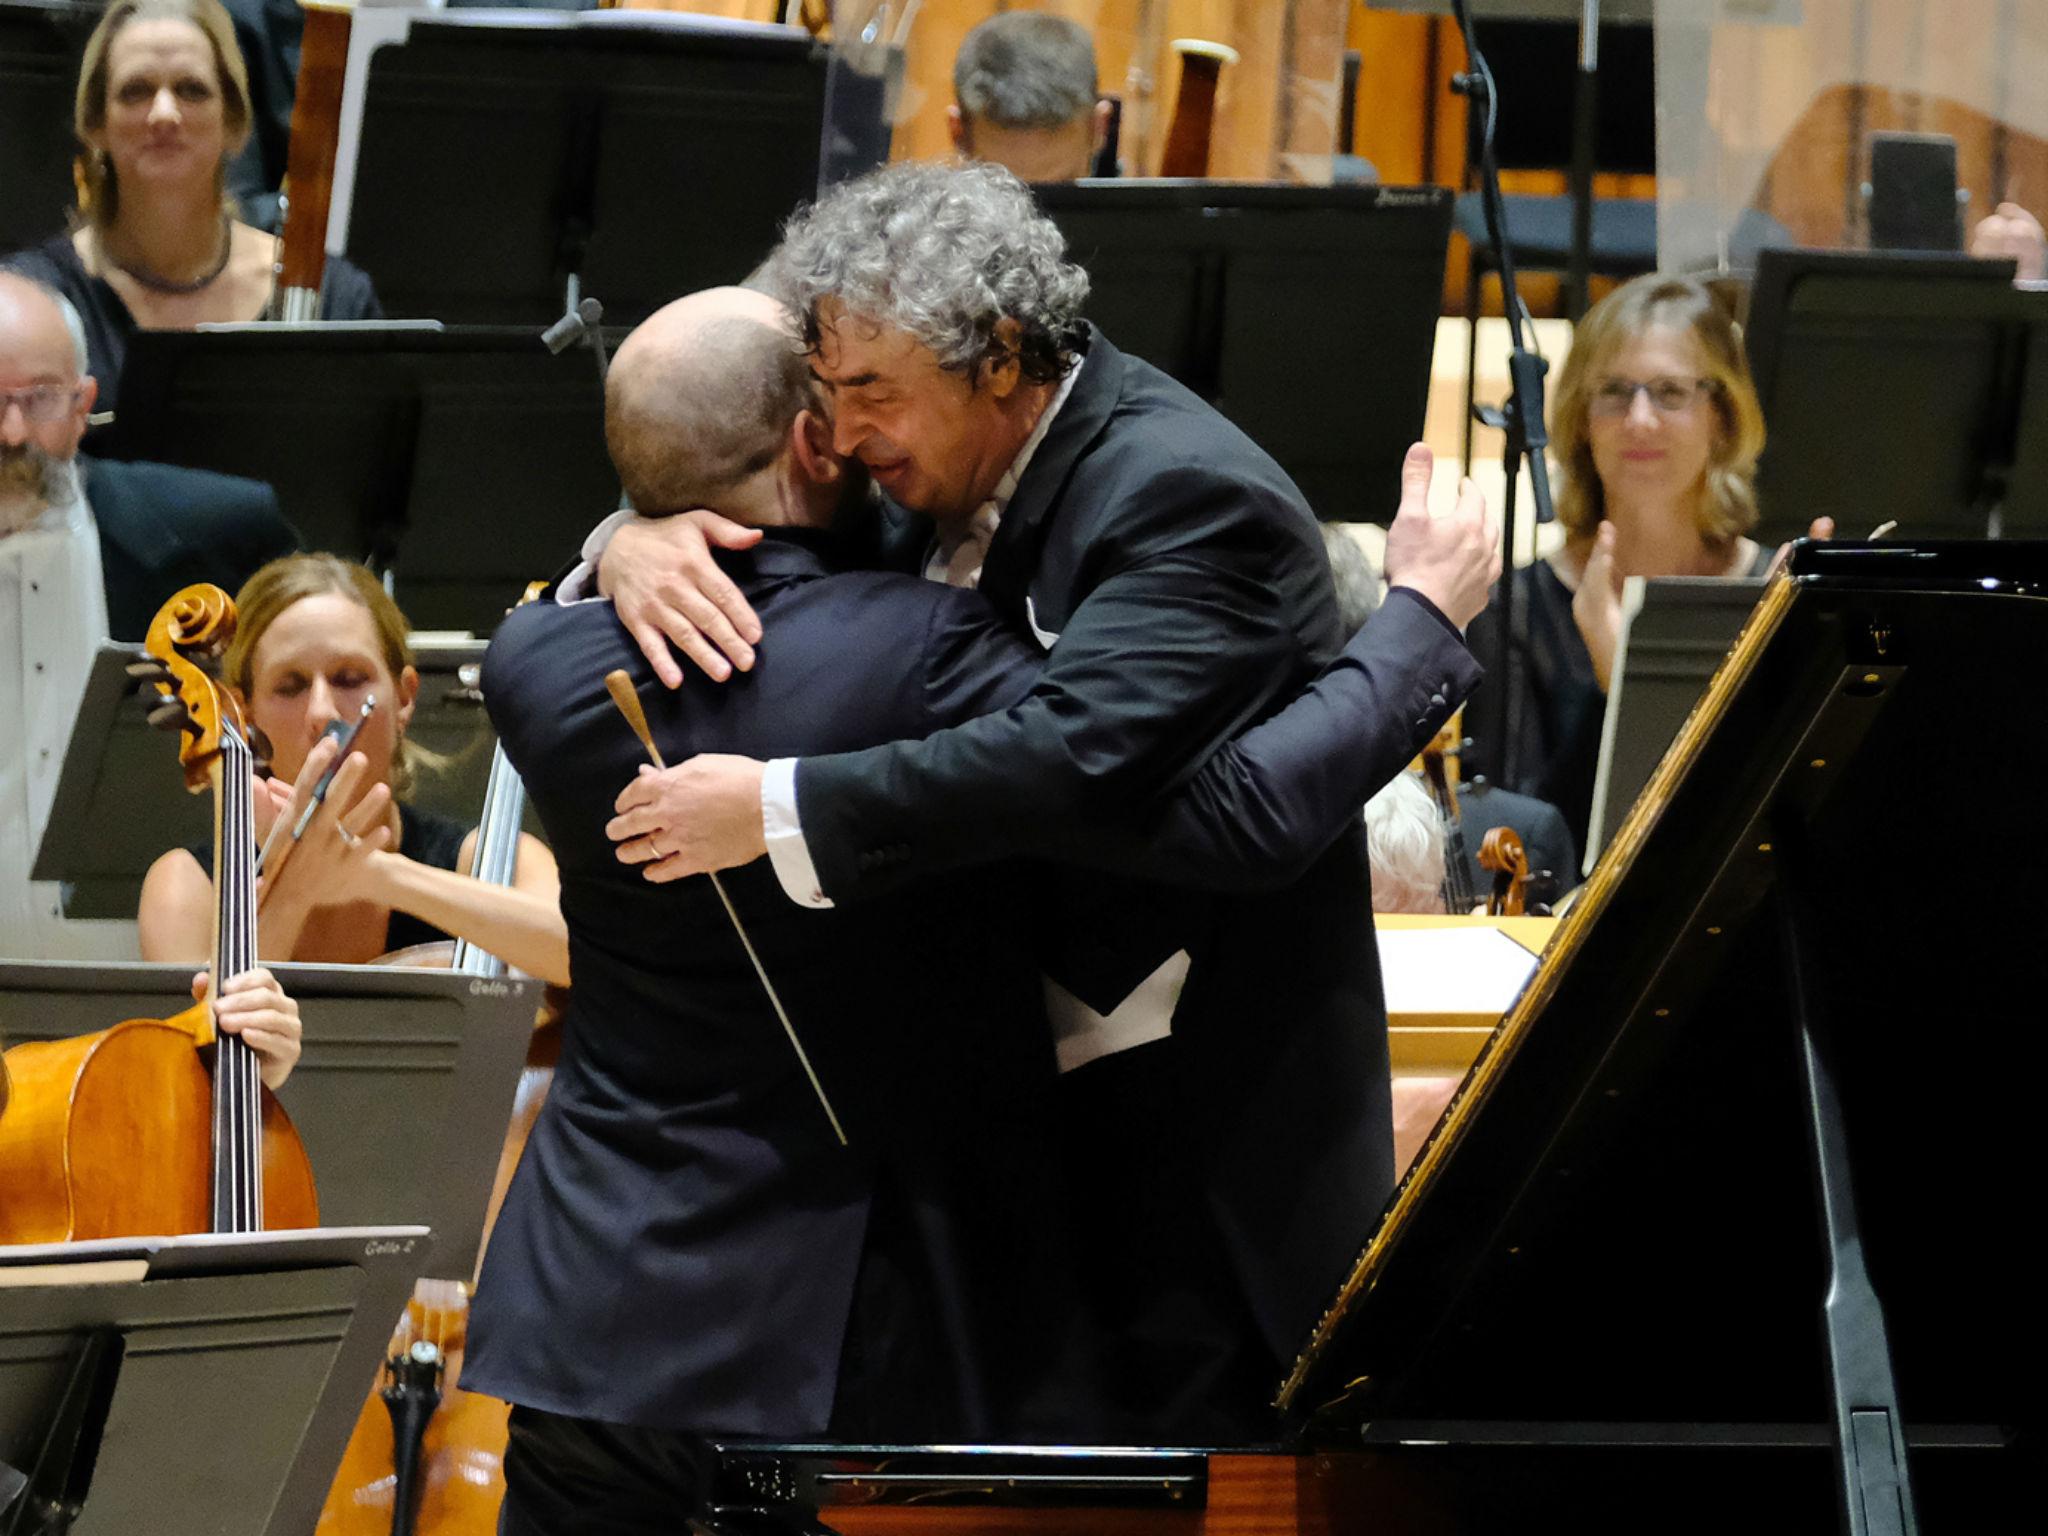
x,y
238,1083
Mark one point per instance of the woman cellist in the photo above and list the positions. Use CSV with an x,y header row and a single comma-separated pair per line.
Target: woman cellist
x,y
371,874
138,1128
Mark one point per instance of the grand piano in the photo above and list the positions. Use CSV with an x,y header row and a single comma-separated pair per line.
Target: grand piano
x,y
1726,1226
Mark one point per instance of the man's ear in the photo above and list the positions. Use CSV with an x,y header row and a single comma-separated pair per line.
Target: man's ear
x,y
810,439
1002,370
1101,134
88,392
957,130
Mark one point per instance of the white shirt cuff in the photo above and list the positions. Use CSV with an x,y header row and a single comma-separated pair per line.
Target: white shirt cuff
x,y
581,583
787,851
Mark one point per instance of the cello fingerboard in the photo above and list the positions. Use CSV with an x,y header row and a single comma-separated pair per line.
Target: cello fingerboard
x,y
237,1083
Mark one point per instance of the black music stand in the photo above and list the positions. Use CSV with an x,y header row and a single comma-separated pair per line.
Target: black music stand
x,y
635,156
1672,644
1703,1234
402,1091
1893,387
468,460
1305,314
188,1385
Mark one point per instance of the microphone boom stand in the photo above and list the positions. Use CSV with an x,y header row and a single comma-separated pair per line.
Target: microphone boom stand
x,y
1520,416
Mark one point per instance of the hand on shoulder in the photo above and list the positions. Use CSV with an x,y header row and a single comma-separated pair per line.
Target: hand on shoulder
x,y
668,590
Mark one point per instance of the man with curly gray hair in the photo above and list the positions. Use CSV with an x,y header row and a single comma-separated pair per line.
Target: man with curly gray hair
x,y
941,312
1228,1115
1024,96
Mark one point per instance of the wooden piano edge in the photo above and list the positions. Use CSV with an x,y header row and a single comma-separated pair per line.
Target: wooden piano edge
x,y
1040,1491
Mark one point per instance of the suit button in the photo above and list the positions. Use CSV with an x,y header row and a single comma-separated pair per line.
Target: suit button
x,y
1436,701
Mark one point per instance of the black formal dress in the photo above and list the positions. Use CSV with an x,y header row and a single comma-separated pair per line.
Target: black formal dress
x,y
425,837
1223,1177
683,1246
163,528
345,294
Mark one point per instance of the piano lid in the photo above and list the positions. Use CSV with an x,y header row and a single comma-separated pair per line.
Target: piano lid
x,y
1614,1224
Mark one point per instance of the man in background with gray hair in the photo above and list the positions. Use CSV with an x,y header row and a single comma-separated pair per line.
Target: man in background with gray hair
x,y
1024,97
1228,1125
88,549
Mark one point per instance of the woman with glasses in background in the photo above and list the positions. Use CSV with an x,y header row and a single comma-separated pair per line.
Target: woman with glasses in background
x,y
1655,433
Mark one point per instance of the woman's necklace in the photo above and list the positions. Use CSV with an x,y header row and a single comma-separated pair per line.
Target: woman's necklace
x,y
159,284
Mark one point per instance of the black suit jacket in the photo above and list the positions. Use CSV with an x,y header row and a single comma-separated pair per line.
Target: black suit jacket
x,y
1179,580
163,528
681,1169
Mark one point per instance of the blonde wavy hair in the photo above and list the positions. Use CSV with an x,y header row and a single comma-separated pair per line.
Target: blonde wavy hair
x,y
1727,506
99,194
291,579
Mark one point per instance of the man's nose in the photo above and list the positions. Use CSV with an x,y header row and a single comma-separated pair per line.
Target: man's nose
x,y
848,432
13,423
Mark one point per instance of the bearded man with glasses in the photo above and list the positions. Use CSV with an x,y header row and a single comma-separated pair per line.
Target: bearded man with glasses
x,y
88,549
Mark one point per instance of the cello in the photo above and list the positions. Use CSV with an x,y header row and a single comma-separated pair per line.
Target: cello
x,y
132,1131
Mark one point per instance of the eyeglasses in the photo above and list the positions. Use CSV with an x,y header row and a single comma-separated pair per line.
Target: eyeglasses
x,y
1617,397
40,403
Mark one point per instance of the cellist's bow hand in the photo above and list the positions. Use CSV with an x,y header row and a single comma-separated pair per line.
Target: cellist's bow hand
x,y
255,1007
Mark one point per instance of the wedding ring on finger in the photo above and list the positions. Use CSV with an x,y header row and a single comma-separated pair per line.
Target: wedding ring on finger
x,y
345,835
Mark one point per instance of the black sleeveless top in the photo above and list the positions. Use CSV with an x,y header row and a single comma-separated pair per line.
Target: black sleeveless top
x,y
423,837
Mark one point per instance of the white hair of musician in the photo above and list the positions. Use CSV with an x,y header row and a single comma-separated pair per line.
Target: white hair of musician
x,y
1405,841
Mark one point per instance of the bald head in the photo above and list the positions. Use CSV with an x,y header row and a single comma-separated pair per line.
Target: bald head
x,y
701,398
34,331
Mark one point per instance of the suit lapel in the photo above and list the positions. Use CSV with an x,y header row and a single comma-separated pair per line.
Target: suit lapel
x,y
1013,555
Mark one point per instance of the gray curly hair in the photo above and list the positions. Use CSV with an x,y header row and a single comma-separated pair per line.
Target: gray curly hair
x,y
943,253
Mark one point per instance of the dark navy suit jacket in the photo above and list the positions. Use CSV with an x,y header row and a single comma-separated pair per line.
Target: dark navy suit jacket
x,y
682,1243
679,1248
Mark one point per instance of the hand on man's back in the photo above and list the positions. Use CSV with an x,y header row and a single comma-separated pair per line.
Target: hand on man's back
x,y
664,580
